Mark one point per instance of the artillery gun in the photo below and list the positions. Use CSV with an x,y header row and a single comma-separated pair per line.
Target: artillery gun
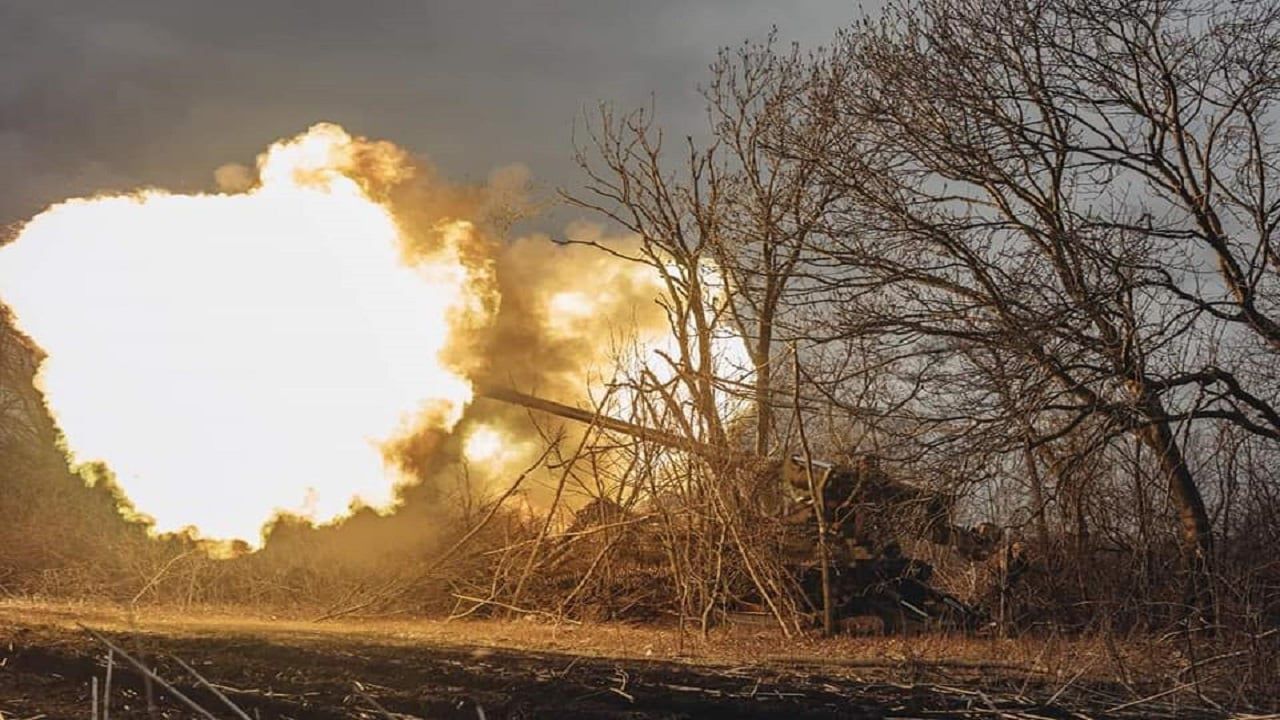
x,y
865,513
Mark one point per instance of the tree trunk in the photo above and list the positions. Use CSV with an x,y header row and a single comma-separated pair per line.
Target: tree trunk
x,y
817,492
1195,529
1037,496
761,358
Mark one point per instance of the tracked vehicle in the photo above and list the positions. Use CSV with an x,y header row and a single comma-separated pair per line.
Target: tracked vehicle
x,y
865,513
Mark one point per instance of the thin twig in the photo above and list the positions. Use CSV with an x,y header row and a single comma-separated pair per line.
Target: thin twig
x,y
515,609
106,685
1149,698
200,678
1069,683
159,574
369,699
147,673
462,542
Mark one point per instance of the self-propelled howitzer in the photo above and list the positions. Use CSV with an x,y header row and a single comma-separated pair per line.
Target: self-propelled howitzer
x,y
865,512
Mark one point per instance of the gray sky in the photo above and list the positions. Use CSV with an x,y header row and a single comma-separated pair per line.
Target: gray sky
x,y
112,94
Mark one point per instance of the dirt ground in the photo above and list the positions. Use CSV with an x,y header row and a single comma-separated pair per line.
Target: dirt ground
x,y
274,668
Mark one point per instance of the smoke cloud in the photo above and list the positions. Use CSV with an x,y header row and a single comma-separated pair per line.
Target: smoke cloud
x,y
299,348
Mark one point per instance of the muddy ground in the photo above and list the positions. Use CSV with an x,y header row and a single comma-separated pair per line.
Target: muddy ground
x,y
46,667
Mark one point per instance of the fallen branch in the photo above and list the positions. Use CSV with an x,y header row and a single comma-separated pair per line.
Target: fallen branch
x,y
378,706
147,673
106,685
1151,698
217,693
513,608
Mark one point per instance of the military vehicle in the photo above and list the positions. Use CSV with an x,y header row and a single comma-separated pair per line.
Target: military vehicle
x,y
866,515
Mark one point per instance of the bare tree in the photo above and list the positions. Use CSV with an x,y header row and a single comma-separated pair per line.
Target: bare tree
x,y
726,224
1034,178
723,227
773,203
675,220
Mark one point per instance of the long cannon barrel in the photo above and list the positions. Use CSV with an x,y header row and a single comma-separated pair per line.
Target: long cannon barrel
x,y
840,484
661,437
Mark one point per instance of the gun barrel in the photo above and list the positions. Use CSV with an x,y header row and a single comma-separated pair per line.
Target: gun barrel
x,y
867,483
587,417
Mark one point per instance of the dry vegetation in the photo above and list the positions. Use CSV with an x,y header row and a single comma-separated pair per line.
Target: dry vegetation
x,y
431,668
1018,254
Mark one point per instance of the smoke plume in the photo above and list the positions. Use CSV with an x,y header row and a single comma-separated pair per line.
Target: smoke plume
x,y
300,347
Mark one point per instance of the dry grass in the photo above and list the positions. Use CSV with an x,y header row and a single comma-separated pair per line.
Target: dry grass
x,y
1085,659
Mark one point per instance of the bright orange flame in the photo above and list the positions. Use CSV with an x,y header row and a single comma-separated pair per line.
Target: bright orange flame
x,y
228,355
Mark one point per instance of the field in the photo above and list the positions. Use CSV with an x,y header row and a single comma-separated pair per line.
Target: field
x,y
294,668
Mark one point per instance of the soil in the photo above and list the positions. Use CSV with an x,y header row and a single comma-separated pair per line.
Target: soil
x,y
47,664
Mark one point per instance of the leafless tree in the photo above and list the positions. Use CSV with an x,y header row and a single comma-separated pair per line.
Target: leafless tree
x,y
727,223
1043,180
675,219
773,203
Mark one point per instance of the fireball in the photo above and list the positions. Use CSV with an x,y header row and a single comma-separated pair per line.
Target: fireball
x,y
230,355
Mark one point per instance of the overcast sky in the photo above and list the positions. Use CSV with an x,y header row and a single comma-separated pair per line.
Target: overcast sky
x,y
112,94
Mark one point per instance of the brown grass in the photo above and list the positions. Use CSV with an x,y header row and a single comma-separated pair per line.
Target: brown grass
x,y
1080,659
